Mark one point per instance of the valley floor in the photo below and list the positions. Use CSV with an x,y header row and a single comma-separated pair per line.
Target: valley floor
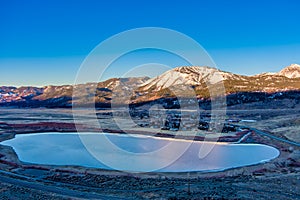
x,y
277,179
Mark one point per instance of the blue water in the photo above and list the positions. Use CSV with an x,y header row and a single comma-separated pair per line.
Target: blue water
x,y
135,153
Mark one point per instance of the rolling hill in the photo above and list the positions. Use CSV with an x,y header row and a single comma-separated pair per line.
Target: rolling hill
x,y
169,85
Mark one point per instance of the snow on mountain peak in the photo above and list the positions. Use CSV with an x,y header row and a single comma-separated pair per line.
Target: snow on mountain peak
x,y
187,75
292,71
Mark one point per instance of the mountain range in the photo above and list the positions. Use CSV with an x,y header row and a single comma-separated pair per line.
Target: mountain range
x,y
169,85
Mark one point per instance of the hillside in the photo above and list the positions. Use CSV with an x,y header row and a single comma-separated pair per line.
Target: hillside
x,y
178,82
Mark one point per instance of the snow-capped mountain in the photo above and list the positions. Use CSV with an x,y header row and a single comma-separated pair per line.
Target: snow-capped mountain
x,y
172,83
201,77
193,75
11,94
292,71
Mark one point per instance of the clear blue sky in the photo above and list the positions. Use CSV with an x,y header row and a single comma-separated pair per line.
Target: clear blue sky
x,y
44,42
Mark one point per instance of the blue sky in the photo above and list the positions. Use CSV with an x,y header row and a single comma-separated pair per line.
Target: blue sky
x,y
44,42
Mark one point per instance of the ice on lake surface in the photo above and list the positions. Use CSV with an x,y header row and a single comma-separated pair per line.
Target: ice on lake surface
x,y
135,152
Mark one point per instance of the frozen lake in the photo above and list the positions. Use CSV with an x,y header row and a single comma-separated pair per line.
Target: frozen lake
x,y
135,153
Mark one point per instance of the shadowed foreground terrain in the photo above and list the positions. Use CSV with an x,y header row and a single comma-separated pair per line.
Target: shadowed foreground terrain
x,y
277,179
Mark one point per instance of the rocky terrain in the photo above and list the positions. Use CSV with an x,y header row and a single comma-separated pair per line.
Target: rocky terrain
x,y
189,83
277,179
269,103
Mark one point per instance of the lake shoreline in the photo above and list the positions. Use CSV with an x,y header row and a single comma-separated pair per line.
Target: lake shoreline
x,y
61,148
232,183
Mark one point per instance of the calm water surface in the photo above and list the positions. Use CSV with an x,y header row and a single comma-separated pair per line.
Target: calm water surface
x,y
135,153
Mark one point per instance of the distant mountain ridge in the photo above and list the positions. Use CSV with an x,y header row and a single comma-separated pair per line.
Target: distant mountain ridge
x,y
190,75
144,89
292,71
195,75
199,77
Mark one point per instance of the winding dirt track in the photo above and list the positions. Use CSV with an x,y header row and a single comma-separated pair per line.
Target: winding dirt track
x,y
23,181
274,137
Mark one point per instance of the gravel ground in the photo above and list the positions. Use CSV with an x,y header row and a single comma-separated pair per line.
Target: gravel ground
x,y
277,179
